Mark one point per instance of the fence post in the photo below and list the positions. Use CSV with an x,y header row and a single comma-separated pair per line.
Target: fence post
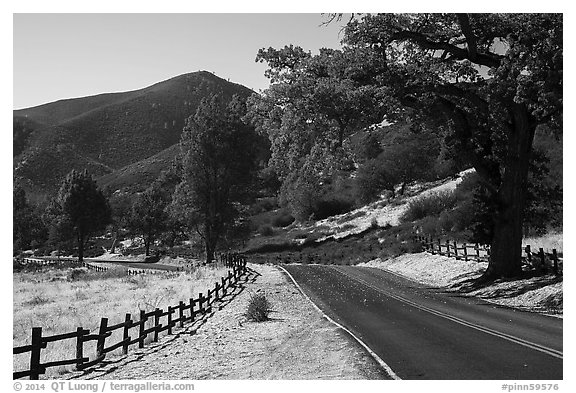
x,y
447,248
465,251
170,310
223,286
555,258
35,353
439,247
181,313
126,337
542,259
156,323
200,301
529,255
477,247
79,347
456,250
142,328
101,337
191,309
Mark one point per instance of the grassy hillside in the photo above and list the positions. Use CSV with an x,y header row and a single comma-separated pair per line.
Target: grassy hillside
x,y
107,132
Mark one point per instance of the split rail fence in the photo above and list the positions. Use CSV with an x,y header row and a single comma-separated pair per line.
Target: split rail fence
x,y
61,261
161,321
473,251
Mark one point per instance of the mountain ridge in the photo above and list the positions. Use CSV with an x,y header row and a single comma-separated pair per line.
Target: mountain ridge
x,y
109,131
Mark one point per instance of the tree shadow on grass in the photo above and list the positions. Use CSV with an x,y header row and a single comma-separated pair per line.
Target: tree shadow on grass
x,y
501,288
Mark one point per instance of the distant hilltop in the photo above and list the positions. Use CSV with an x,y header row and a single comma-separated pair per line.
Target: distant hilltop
x,y
109,134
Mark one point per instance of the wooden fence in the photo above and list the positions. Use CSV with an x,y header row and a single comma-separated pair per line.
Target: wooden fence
x,y
473,251
233,259
162,320
45,261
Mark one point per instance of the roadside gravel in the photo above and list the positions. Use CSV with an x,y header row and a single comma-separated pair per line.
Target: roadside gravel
x,y
297,343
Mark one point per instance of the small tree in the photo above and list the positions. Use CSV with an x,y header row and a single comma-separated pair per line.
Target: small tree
x,y
79,210
372,178
148,218
218,164
121,206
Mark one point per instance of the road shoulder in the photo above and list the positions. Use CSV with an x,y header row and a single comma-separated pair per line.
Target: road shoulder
x,y
297,343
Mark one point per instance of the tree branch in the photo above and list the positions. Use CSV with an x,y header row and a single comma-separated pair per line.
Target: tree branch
x,y
467,95
463,132
464,21
485,59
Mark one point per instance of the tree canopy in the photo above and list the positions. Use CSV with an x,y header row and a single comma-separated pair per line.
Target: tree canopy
x,y
79,210
487,81
148,217
28,230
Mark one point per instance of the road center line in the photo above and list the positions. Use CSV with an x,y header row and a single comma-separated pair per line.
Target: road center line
x,y
517,340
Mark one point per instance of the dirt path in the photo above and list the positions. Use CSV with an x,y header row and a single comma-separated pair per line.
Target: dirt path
x,y
298,343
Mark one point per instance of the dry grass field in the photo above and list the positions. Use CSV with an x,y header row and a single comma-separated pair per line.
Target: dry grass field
x,y
548,242
60,300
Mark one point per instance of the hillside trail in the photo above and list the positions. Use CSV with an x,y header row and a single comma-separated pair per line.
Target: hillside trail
x,y
296,343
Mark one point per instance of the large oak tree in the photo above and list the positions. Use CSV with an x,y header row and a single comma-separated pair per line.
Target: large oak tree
x,y
490,80
486,80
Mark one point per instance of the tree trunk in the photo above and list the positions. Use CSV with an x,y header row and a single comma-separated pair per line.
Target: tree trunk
x,y
113,248
506,247
147,246
80,248
403,188
211,236
209,252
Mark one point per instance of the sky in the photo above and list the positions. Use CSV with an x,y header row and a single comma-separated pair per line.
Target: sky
x,y
58,56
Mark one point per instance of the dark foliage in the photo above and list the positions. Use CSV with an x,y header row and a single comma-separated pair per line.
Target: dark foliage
x,y
28,229
79,210
218,168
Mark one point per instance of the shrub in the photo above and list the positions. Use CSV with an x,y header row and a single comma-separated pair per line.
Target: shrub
x,y
283,219
76,274
430,205
264,205
266,230
259,308
332,207
372,179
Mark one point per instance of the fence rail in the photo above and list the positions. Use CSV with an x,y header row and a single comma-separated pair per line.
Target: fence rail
x,y
161,321
540,260
53,261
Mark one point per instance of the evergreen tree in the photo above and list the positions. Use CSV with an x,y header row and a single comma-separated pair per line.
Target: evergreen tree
x,y
218,164
79,210
148,218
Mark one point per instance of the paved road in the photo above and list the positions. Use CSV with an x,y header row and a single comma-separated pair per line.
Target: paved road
x,y
426,333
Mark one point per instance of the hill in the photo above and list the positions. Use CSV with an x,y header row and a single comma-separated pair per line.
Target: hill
x,y
107,132
136,177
